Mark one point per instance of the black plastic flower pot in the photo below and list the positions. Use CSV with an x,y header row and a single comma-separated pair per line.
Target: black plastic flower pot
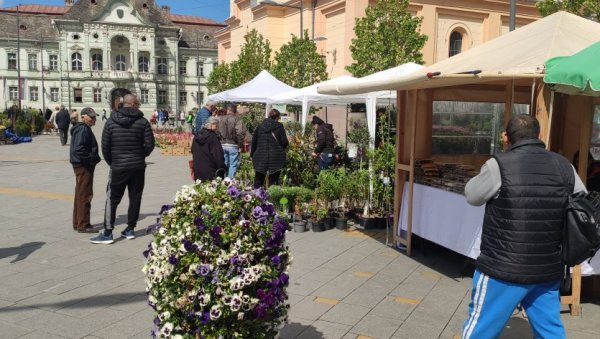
x,y
341,223
318,226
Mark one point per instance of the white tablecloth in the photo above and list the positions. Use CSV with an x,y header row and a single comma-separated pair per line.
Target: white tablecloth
x,y
446,218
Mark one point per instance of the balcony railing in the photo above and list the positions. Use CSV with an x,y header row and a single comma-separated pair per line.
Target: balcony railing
x,y
121,75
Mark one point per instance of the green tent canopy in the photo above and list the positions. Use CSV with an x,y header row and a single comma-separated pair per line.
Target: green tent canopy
x,y
578,74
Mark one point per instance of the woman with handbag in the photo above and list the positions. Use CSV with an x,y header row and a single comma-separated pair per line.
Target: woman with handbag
x,y
207,152
269,144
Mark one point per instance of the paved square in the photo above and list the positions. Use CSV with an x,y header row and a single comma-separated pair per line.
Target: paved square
x,y
55,284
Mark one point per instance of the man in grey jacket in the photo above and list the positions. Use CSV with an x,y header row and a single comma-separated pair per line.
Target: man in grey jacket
x,y
525,190
233,134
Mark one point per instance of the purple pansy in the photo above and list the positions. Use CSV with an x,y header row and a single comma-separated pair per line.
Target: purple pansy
x,y
165,208
173,260
199,222
261,193
234,192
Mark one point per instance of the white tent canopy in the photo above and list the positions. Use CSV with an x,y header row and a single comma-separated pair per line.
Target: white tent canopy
x,y
518,54
256,90
309,95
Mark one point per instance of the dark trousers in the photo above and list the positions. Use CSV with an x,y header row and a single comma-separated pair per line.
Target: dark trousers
x,y
117,182
325,160
259,179
84,191
64,136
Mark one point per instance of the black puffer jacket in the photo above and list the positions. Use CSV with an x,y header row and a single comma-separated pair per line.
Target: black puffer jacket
x,y
127,139
269,143
522,227
84,148
207,154
325,139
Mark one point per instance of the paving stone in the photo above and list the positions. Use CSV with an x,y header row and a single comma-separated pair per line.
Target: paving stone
x,y
344,313
308,309
44,335
389,307
9,330
377,326
325,329
304,286
296,326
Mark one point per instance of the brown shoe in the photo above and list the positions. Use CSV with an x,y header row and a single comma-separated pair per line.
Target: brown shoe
x,y
87,229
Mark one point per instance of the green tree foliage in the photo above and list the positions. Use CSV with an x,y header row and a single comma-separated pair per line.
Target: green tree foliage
x,y
387,36
298,64
586,8
219,79
254,56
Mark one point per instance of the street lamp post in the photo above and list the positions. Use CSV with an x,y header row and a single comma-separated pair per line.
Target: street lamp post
x,y
19,84
301,8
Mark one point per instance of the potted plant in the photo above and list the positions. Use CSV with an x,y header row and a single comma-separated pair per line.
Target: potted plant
x,y
320,224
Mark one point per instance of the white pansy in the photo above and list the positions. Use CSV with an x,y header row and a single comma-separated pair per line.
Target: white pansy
x,y
166,330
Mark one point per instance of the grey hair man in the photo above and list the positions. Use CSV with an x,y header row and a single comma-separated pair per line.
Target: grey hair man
x,y
525,190
203,114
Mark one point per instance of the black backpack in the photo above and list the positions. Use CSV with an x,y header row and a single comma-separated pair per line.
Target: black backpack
x,y
581,238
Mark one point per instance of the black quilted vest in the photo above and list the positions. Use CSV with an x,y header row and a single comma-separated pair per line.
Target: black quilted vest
x,y
522,227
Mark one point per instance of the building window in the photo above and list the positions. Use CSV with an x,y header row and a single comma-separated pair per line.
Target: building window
x,y
13,93
96,62
182,98
144,96
183,67
54,94
77,95
33,93
53,63
456,39
162,97
161,65
76,62
32,58
12,61
200,69
200,98
144,66
97,94
121,63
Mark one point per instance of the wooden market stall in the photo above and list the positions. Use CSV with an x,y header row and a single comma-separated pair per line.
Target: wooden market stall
x,y
506,71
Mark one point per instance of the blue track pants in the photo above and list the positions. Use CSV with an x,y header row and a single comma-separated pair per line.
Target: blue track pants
x,y
493,302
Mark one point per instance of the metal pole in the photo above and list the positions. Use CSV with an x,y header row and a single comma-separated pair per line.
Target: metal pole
x,y
198,69
513,13
301,19
18,64
42,64
314,6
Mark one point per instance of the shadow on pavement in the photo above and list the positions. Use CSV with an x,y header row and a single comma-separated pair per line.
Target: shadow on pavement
x,y
293,330
22,252
89,302
516,328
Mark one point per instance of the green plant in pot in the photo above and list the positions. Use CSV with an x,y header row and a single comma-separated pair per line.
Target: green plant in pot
x,y
321,214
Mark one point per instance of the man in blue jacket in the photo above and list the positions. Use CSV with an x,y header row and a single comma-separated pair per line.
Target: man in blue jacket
x,y
83,156
63,119
203,114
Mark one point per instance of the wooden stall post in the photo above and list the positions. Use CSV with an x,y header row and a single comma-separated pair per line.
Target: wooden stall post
x,y
400,178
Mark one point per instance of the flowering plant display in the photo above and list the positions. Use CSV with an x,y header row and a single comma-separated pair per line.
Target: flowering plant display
x,y
217,267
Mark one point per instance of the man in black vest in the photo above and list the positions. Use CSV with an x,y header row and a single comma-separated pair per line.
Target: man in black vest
x,y
63,119
525,190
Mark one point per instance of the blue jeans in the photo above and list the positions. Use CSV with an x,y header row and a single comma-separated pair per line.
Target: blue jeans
x,y
494,300
232,158
325,160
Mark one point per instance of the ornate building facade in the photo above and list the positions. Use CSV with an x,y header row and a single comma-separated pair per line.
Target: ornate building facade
x,y
76,53
451,25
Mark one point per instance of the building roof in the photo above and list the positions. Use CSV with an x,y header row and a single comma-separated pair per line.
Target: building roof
x,y
83,8
33,27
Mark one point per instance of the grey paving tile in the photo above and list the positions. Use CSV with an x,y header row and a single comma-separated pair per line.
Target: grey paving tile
x,y
389,307
304,286
346,314
9,330
41,335
296,326
377,326
324,329
308,309
126,326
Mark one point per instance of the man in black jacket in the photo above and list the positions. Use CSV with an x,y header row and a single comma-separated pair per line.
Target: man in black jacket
x,y
525,191
127,139
63,119
84,157
325,143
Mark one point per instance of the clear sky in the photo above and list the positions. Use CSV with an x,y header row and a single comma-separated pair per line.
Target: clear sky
x,y
213,9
